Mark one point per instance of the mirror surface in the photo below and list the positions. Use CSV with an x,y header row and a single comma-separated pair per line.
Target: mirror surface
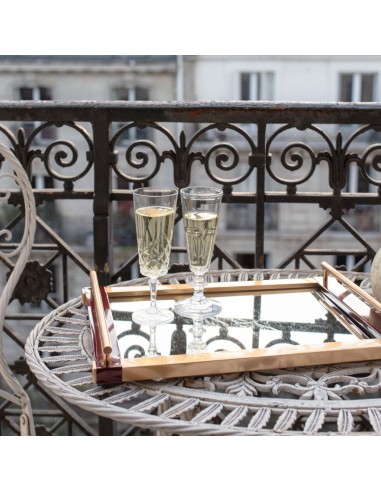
x,y
246,322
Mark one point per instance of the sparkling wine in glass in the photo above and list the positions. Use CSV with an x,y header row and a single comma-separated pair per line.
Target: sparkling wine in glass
x,y
200,206
154,219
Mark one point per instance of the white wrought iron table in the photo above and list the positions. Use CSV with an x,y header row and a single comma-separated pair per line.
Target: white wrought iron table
x,y
319,400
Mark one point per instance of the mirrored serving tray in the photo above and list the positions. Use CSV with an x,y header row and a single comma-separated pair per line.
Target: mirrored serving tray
x,y
262,325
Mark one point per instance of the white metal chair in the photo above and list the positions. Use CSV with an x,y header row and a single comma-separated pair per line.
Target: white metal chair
x,y
15,392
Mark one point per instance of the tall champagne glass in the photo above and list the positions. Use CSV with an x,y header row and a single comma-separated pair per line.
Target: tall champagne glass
x,y
154,219
200,206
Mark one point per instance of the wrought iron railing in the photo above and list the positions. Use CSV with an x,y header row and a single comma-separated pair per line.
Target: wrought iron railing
x,y
280,166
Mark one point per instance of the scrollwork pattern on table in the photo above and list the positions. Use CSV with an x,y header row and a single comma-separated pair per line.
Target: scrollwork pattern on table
x,y
331,399
308,385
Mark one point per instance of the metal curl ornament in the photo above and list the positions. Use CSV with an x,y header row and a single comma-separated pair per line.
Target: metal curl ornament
x,y
224,157
375,162
143,157
61,155
220,159
295,157
298,161
329,156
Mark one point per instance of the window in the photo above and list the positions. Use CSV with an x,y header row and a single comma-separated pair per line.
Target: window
x,y
41,182
47,211
37,94
241,216
257,86
357,87
362,217
348,262
247,260
131,94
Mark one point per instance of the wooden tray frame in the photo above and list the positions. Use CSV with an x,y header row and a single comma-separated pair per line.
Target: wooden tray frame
x,y
359,312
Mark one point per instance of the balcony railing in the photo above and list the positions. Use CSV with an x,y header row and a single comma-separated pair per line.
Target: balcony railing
x,y
303,179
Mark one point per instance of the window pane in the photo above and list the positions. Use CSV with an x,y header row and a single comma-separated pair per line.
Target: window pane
x,y
245,86
363,183
120,94
26,93
259,91
257,86
367,84
131,94
45,93
33,94
141,94
266,87
240,216
346,88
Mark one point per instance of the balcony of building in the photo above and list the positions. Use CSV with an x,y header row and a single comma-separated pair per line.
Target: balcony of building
x,y
301,185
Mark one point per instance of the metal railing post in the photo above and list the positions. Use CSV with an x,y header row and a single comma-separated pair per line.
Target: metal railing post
x,y
102,207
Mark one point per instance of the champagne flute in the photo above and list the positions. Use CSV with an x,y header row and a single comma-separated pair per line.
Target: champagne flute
x,y
200,206
154,219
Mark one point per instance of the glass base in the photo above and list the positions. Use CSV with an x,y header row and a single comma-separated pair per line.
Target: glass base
x,y
195,309
157,317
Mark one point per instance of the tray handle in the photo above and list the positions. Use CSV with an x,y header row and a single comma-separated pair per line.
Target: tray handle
x,y
101,317
348,283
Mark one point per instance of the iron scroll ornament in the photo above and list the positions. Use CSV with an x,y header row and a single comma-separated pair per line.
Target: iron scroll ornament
x,y
223,155
337,156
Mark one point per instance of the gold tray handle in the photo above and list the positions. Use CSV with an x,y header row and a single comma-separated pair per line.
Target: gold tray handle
x,y
348,283
102,323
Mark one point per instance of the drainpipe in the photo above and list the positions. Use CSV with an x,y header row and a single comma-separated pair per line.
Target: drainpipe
x,y
182,258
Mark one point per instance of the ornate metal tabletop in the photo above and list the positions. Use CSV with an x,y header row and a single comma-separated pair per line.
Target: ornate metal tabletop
x,y
319,400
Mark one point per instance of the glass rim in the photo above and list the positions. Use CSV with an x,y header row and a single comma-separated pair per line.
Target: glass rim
x,y
155,191
196,191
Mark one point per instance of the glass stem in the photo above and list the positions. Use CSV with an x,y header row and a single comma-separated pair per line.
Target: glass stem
x,y
153,294
198,288
197,331
197,345
152,340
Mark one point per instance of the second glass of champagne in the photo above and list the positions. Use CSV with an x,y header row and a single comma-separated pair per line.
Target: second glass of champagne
x,y
154,219
200,206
